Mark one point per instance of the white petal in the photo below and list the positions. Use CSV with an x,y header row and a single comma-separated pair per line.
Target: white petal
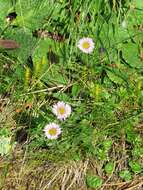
x,y
50,126
67,108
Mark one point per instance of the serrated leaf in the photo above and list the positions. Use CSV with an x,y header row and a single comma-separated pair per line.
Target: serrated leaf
x,y
114,78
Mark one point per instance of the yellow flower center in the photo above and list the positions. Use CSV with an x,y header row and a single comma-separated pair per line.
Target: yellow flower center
x,y
61,110
85,45
52,131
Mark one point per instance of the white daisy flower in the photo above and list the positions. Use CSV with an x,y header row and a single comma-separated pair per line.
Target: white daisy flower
x,y
86,45
61,110
52,131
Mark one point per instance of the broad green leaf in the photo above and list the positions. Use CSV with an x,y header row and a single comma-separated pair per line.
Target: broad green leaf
x,y
5,7
131,55
138,4
25,40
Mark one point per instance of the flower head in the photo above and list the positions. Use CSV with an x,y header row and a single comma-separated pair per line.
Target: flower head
x,y
86,45
61,110
52,131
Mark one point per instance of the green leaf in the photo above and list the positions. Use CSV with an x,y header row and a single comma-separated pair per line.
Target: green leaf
x,y
54,75
135,166
131,55
137,151
4,9
125,175
76,157
114,78
109,167
138,4
85,135
94,181
131,135
75,90
107,145
31,14
61,96
25,40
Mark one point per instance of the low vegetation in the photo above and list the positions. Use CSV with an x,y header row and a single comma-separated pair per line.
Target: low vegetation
x,y
71,95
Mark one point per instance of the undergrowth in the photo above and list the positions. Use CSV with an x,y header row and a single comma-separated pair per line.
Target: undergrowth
x,y
101,145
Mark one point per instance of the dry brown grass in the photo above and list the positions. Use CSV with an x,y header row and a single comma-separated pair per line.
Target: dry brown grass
x,y
24,173
6,113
